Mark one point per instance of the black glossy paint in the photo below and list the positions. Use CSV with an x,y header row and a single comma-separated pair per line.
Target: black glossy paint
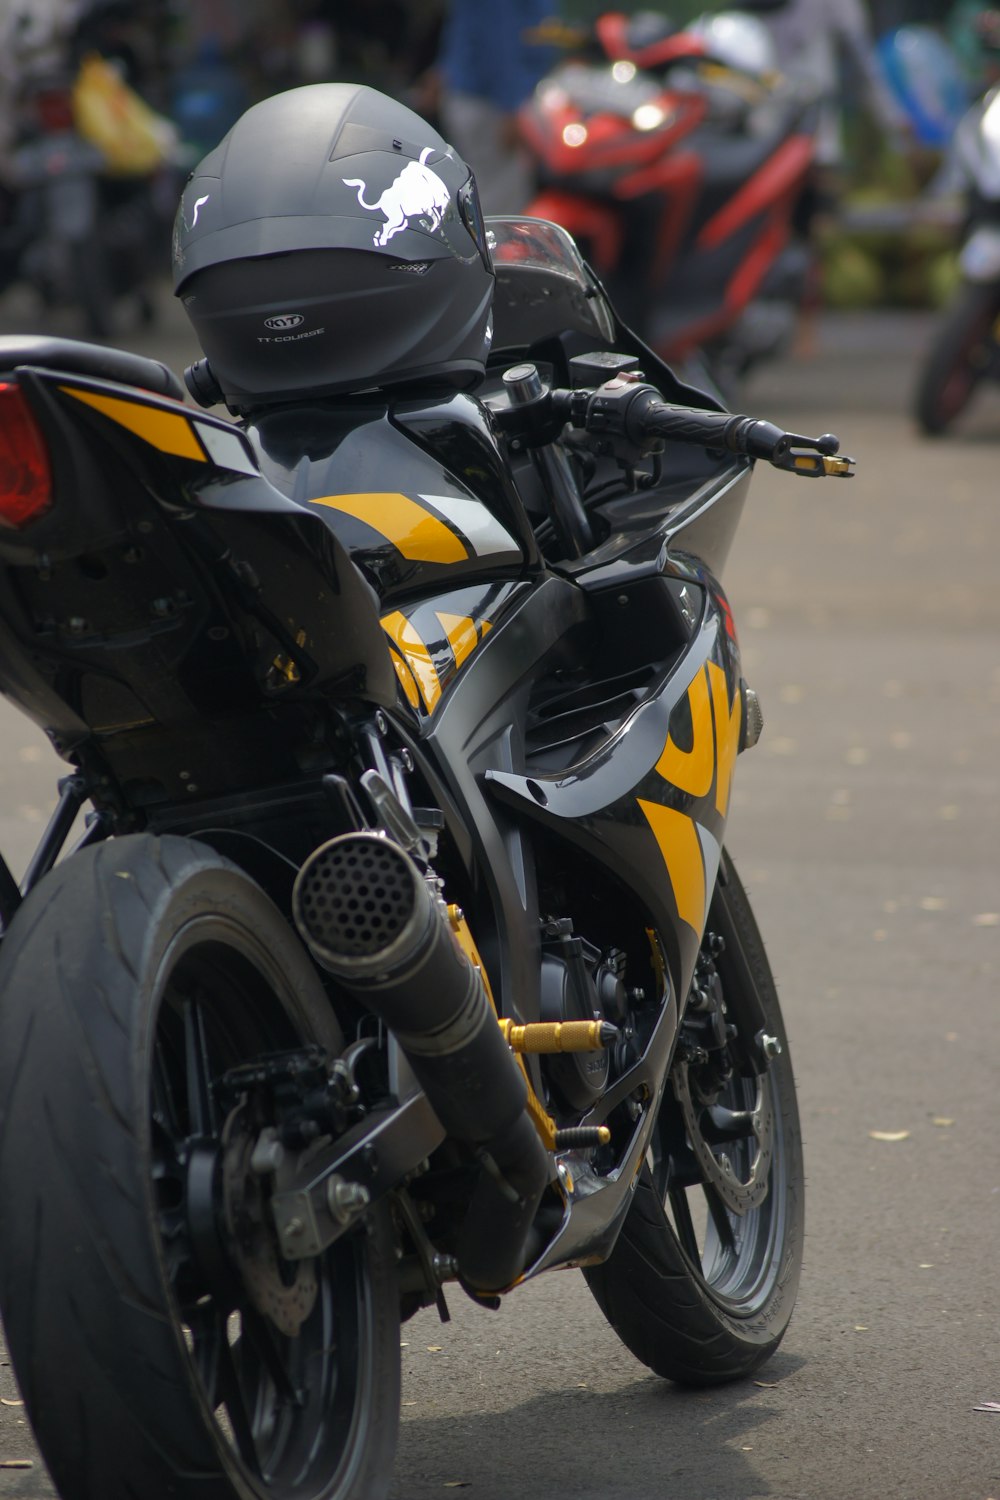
x,y
231,695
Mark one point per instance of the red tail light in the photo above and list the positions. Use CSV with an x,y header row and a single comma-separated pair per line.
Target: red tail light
x,y
25,476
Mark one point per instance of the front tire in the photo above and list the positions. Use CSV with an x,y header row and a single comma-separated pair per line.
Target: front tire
x,y
133,978
702,1280
962,354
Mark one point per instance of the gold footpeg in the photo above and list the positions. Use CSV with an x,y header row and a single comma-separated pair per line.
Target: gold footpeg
x,y
582,1137
559,1036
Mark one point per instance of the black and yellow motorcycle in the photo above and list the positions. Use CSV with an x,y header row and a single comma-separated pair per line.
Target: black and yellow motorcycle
x,y
400,954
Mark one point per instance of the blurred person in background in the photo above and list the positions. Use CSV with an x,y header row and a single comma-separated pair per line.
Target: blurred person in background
x,y
35,38
813,39
824,46
491,57
970,31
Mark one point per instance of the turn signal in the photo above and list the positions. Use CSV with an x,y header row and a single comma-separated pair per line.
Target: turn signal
x,y
25,476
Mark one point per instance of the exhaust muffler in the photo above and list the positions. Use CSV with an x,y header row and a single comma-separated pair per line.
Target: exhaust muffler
x,y
370,918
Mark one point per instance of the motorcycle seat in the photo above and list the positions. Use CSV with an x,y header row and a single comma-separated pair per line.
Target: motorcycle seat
x,y
79,358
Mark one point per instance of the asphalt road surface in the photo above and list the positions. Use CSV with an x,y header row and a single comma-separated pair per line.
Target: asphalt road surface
x,y
866,826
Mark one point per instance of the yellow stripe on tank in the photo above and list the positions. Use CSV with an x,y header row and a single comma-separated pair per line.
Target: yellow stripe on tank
x,y
416,655
170,432
680,846
411,528
406,679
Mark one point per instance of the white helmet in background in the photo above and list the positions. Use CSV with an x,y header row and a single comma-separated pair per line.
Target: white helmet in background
x,y
737,41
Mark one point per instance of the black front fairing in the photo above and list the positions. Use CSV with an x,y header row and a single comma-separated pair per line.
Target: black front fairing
x,y
518,680
519,677
607,713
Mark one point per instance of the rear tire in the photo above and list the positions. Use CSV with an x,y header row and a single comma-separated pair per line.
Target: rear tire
x,y
961,355
133,977
706,1298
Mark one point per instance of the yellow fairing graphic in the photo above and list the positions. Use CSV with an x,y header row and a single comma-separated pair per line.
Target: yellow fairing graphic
x,y
715,742
409,526
417,657
407,681
692,770
680,846
462,635
431,642
728,717
169,431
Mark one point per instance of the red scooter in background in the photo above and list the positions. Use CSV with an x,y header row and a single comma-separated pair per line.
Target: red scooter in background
x,y
680,162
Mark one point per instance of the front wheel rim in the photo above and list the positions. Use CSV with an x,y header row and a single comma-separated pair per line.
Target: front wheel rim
x,y
735,1256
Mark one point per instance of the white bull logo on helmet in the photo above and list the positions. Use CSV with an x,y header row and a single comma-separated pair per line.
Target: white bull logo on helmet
x,y
417,193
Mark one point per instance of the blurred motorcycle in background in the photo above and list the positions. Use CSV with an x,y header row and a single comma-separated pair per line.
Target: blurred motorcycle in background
x,y
87,180
966,347
680,162
78,235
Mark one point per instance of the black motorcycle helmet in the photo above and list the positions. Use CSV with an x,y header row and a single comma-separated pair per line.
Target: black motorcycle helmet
x,y
332,242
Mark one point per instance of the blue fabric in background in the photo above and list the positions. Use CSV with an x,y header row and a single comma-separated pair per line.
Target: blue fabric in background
x,y
485,51
927,80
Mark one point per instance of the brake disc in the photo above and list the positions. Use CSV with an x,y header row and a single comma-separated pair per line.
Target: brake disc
x,y
739,1193
283,1291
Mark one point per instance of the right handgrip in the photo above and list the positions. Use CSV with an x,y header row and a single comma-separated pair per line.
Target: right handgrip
x,y
713,429
651,417
630,419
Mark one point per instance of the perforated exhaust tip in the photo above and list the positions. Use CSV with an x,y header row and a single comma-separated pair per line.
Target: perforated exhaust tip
x,y
354,897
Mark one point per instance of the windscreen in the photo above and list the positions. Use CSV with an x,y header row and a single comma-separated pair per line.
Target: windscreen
x,y
543,287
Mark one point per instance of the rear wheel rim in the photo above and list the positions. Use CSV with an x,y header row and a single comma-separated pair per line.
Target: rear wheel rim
x,y
285,1410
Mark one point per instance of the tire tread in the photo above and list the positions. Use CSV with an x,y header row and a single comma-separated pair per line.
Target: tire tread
x,y
106,1382
647,1288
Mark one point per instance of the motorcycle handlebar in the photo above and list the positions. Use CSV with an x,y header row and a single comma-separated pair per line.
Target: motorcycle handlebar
x,y
745,435
626,413
750,436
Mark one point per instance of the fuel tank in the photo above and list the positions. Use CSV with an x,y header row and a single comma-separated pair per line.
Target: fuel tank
x,y
422,499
